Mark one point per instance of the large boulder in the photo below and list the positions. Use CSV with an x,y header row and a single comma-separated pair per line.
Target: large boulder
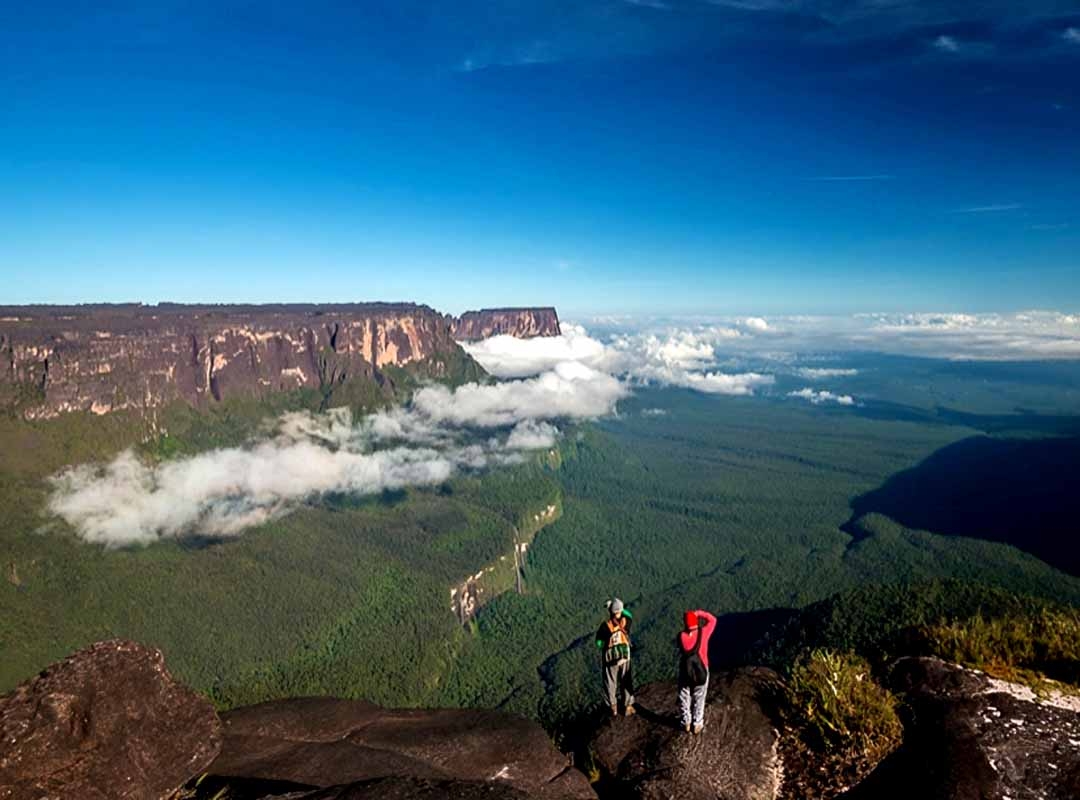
x,y
974,738
107,722
649,756
324,742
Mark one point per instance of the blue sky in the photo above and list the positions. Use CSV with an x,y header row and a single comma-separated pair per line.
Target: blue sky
x,y
672,156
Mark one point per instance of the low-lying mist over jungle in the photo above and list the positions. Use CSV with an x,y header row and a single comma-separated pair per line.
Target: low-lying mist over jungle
x,y
453,543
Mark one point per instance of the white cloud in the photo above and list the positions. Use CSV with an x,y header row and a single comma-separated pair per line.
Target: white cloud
x,y
1071,35
990,209
537,51
685,349
1013,336
721,383
847,178
530,435
223,492
947,44
817,398
508,357
672,357
571,389
815,373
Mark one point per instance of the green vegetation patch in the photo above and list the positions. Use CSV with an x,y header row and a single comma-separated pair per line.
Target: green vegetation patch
x,y
838,704
1028,648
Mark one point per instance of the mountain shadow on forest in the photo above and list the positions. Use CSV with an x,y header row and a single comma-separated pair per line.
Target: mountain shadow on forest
x,y
1023,492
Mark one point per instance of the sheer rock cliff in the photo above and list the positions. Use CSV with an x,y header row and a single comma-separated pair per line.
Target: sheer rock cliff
x,y
523,323
104,358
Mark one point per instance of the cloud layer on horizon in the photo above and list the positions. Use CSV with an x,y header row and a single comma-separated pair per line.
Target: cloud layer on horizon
x,y
1013,336
1026,335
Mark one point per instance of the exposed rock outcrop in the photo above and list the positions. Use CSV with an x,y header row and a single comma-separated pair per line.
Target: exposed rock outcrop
x,y
648,756
971,737
109,358
323,742
107,722
110,722
102,358
524,323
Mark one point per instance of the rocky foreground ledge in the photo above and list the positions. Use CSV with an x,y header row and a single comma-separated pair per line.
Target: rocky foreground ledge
x,y
108,721
111,722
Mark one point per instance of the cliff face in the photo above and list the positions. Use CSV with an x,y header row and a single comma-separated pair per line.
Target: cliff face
x,y
55,360
524,323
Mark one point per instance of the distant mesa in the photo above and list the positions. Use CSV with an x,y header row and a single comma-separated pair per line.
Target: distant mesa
x,y
104,358
522,323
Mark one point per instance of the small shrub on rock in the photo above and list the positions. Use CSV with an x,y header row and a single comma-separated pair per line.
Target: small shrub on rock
x,y
838,705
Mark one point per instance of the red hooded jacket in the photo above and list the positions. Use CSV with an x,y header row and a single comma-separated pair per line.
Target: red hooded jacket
x,y
687,640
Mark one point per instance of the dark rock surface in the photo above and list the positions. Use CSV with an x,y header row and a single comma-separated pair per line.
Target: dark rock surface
x,y
649,756
107,722
324,742
970,738
411,789
524,323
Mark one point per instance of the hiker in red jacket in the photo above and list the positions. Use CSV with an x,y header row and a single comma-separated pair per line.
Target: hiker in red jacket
x,y
694,668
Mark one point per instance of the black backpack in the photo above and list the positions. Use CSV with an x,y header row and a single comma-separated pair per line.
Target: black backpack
x,y
692,670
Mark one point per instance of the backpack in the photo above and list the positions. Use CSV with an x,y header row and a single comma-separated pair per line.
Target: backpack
x,y
618,643
692,670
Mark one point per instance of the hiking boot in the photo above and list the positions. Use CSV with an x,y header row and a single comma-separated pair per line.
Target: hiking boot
x,y
630,711
686,727
614,711
698,729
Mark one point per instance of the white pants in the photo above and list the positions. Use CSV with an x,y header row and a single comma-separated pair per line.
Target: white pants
x,y
697,695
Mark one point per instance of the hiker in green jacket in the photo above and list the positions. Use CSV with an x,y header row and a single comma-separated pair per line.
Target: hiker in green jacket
x,y
613,642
